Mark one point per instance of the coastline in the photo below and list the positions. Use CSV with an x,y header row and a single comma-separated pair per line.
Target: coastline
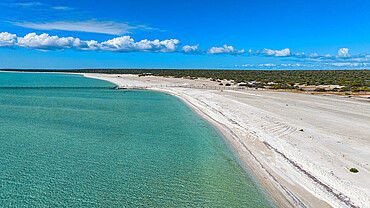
x,y
281,196
286,168
299,146
276,190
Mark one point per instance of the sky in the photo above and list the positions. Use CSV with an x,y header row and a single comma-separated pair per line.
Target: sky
x,y
210,34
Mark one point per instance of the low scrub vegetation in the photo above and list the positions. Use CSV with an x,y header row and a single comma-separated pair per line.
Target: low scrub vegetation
x,y
348,80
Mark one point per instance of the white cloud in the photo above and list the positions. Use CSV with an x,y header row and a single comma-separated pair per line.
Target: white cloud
x,y
293,65
350,64
225,50
300,55
37,5
191,49
270,65
303,55
340,65
359,58
7,39
313,55
29,4
91,45
266,65
269,52
343,53
277,53
47,42
127,44
61,8
93,26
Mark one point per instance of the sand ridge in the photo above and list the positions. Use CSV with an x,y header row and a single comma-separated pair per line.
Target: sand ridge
x,y
300,146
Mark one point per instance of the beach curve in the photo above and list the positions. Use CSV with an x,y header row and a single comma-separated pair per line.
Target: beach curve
x,y
290,177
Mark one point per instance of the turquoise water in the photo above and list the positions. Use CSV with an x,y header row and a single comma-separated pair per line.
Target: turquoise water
x,y
111,148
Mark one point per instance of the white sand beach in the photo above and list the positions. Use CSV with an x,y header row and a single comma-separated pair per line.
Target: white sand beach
x,y
300,146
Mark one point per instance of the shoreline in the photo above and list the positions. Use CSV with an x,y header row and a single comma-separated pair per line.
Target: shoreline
x,y
277,191
286,170
279,195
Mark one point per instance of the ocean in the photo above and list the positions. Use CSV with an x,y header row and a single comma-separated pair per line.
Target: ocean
x,y
67,140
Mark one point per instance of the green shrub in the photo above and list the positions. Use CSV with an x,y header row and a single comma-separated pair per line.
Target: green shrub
x,y
353,170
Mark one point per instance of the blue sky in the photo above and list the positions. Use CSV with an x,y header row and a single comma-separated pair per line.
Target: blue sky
x,y
185,34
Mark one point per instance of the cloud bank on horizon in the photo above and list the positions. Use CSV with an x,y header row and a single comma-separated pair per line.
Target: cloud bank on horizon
x,y
45,42
126,44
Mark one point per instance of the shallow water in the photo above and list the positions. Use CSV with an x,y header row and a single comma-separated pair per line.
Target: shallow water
x,y
105,147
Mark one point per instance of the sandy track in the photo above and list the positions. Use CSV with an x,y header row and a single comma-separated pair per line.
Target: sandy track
x,y
308,168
